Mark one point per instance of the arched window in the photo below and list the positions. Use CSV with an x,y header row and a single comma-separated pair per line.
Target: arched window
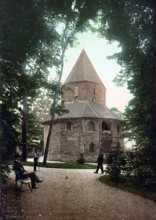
x,y
69,125
91,126
104,126
91,147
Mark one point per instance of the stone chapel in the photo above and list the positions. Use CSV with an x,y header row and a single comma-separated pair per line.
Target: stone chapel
x,y
89,126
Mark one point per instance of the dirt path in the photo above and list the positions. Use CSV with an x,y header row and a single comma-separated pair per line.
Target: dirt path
x,y
68,194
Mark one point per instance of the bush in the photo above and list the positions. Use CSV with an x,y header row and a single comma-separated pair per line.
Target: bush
x,y
145,177
138,164
115,164
131,163
81,160
4,171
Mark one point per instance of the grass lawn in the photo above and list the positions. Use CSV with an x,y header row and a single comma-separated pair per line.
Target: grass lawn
x,y
62,165
129,185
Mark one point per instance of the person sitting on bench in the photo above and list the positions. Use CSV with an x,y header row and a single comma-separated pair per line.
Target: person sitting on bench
x,y
23,173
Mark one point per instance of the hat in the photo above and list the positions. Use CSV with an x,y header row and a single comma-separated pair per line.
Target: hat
x,y
17,156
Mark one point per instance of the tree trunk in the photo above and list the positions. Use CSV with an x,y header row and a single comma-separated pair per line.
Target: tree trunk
x,y
154,93
64,44
53,113
24,123
24,128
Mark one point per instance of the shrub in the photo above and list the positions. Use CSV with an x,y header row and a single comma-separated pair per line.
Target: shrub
x,y
129,163
145,177
134,164
81,160
115,164
138,164
4,171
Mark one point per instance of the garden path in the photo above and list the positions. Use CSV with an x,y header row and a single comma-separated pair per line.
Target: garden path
x,y
74,194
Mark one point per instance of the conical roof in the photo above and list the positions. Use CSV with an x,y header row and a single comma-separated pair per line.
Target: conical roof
x,y
83,70
86,110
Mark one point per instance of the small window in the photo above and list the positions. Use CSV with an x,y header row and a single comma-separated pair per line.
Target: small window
x,y
104,126
94,91
118,146
69,125
91,147
76,90
118,128
91,126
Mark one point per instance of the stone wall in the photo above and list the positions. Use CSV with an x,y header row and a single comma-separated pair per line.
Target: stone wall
x,y
86,136
84,91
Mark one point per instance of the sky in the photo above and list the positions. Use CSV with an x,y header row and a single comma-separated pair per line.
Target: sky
x,y
97,50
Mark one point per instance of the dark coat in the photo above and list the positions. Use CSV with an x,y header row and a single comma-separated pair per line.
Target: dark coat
x,y
35,157
100,159
19,167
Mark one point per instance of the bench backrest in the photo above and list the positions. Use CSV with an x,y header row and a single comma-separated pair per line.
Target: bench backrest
x,y
17,176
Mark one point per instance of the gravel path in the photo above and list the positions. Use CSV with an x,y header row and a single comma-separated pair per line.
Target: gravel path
x,y
69,194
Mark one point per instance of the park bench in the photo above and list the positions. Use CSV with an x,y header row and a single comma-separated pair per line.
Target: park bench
x,y
22,181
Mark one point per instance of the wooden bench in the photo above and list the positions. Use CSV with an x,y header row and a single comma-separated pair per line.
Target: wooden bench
x,y
22,181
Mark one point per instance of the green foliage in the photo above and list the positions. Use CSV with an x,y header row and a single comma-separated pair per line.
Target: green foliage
x,y
4,171
130,184
72,24
115,162
35,132
63,165
117,112
60,109
134,163
81,160
26,37
142,168
129,162
8,138
25,32
29,36
131,24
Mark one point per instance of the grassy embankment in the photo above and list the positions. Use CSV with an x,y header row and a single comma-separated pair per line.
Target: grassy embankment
x,y
62,165
129,184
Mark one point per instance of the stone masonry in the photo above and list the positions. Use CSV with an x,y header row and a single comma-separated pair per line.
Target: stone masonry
x,y
89,126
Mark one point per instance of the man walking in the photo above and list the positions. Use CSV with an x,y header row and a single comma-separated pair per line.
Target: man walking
x,y
100,162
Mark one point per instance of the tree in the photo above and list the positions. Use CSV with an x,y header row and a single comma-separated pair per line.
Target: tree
x,y
117,112
131,24
38,112
8,139
77,21
26,38
64,43
28,35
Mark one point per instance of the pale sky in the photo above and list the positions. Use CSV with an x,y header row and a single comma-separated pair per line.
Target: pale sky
x,y
97,50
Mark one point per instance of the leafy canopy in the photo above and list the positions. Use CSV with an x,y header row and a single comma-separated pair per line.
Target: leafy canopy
x,y
131,24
